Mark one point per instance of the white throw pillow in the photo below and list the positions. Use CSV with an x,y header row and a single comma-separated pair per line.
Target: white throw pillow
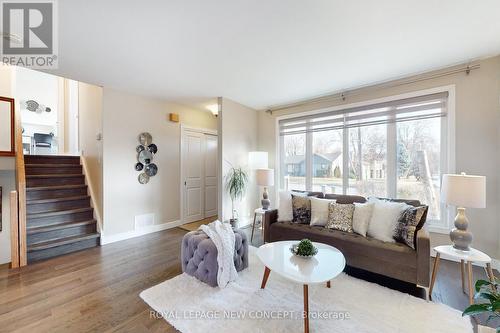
x,y
319,211
384,220
362,216
285,211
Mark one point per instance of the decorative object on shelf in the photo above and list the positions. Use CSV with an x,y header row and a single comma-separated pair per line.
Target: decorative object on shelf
x,y
236,183
145,154
173,117
265,178
463,191
304,249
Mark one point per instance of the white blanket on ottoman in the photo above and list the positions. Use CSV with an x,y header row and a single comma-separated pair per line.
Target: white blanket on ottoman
x,y
223,237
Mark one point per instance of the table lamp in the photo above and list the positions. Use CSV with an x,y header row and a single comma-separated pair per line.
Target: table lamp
x,y
463,191
265,177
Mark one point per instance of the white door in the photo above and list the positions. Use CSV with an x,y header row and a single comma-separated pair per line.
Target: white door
x,y
210,175
194,183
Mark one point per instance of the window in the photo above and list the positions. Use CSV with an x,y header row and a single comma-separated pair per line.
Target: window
x,y
393,149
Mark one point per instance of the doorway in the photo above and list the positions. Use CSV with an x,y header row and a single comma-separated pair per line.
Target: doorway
x,y
199,177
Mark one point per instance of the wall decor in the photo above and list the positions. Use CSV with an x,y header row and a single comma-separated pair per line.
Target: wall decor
x,y
34,106
6,126
145,154
1,213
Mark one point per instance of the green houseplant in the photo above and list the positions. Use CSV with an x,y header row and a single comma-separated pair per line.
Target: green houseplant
x,y
236,183
487,292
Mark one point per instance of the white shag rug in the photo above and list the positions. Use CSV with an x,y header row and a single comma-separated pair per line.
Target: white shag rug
x,y
350,305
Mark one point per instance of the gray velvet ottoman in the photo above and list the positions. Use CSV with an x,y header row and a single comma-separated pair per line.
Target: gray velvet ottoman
x,y
199,255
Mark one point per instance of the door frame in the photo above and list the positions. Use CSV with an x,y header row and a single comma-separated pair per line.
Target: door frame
x,y
185,129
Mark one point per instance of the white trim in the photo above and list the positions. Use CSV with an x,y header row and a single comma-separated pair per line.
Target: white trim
x,y
449,130
198,130
136,233
91,190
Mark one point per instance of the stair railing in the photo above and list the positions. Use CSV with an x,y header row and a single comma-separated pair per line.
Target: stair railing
x,y
21,190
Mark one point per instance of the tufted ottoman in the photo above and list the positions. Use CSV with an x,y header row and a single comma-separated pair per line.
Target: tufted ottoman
x,y
199,255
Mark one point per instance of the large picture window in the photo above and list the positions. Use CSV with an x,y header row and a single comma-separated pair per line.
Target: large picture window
x,y
394,149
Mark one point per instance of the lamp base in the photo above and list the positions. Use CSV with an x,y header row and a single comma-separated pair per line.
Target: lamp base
x,y
460,236
266,203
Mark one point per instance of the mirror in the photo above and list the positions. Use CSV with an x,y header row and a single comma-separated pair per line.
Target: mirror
x,y
7,126
145,157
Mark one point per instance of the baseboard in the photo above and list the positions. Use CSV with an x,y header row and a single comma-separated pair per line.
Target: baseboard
x,y
495,263
140,232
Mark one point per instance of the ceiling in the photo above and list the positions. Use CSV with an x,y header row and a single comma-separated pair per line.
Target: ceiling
x,y
266,52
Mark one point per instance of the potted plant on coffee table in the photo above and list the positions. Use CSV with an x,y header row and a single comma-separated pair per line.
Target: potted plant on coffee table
x,y
236,183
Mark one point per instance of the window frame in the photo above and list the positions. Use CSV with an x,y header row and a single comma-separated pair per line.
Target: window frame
x,y
447,160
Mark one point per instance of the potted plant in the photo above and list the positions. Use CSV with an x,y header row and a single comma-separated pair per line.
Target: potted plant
x,y
236,183
487,292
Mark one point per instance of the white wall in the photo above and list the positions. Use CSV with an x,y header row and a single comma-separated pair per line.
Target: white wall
x,y
238,137
477,139
125,116
90,104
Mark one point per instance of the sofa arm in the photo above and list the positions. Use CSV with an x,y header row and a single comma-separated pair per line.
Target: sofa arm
x,y
270,217
423,258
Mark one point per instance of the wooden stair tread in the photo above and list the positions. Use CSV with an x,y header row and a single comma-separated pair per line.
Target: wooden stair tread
x,y
51,156
51,227
60,241
58,212
69,175
55,187
40,201
52,165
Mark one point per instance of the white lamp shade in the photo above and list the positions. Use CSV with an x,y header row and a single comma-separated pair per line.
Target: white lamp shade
x,y
265,177
257,160
464,191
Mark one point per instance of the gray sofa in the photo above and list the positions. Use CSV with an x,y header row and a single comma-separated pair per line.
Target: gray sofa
x,y
395,260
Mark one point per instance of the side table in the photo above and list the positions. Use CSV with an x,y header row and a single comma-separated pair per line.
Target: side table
x,y
261,212
466,258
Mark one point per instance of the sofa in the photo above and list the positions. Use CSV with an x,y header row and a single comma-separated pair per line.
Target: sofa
x,y
394,260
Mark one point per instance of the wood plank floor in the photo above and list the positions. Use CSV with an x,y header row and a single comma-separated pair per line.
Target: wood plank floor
x,y
97,290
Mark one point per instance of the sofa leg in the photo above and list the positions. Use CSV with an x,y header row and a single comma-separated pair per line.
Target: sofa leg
x,y
427,295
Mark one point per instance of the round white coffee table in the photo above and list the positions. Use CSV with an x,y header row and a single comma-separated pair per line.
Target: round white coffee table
x,y
465,257
323,267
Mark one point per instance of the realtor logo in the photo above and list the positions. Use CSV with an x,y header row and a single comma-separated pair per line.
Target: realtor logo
x,y
29,33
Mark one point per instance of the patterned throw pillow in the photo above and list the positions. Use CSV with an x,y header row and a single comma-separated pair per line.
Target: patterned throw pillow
x,y
411,220
340,216
301,206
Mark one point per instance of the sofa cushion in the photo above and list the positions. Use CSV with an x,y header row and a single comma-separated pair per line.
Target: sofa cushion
x,y
345,199
285,210
319,211
340,216
301,206
409,223
355,248
384,219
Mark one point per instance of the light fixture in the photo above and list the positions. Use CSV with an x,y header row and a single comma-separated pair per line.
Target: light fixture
x,y
214,108
463,191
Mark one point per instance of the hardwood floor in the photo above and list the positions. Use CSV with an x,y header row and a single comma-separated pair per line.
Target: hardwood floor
x,y
97,290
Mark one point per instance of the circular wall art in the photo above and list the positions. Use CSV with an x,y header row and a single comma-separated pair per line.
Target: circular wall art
x,y
145,154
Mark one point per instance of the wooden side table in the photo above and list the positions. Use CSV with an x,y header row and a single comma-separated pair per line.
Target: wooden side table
x,y
466,258
262,213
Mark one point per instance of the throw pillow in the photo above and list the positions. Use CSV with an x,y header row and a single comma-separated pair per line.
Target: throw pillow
x,y
340,216
301,209
384,220
285,210
319,211
411,220
361,217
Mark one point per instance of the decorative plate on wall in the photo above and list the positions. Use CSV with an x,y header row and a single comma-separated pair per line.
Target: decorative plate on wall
x,y
145,154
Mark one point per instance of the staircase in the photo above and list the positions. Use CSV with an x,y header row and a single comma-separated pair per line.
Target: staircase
x,y
59,217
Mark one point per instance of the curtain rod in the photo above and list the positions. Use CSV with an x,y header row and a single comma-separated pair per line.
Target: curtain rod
x,y
389,84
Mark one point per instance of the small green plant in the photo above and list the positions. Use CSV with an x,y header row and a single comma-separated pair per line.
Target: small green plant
x,y
487,292
306,248
236,183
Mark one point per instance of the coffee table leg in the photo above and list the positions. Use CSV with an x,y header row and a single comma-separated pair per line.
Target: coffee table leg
x,y
434,272
265,277
306,308
328,284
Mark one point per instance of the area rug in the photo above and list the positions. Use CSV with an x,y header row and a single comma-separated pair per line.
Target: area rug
x,y
350,305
